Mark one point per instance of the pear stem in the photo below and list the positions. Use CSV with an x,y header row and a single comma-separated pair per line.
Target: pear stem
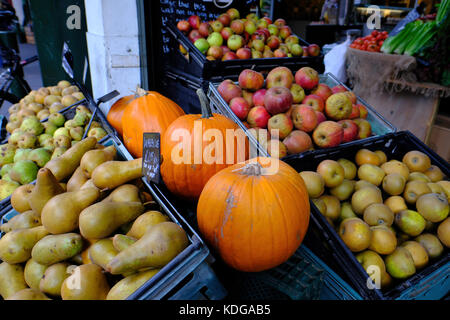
x,y
206,110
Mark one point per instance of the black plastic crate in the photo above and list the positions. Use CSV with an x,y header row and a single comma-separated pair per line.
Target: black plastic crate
x,y
214,71
181,88
432,282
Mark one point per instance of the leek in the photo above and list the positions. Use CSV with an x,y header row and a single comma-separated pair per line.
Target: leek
x,y
421,38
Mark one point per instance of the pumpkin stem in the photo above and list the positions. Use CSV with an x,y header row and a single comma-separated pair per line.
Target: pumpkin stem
x,y
251,169
139,92
206,110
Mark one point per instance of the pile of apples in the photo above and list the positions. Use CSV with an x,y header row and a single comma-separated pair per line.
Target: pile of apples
x,y
291,114
393,214
229,37
371,42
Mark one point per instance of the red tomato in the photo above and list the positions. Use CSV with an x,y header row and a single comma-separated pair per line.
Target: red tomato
x,y
374,33
384,33
373,48
353,45
364,47
380,43
379,37
359,41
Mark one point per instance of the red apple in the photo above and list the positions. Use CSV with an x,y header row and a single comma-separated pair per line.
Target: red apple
x,y
276,148
205,29
323,91
280,22
240,107
258,97
194,35
307,78
269,21
362,111
280,53
350,129
235,42
280,126
248,96
364,128
273,42
304,118
225,49
298,141
279,77
298,94
229,90
328,134
355,112
265,32
215,51
194,21
233,13
313,50
296,50
278,100
338,88
237,26
338,106
244,53
305,51
258,117
285,31
314,101
226,33
183,26
289,112
225,19
251,80
268,53
229,56
259,35
320,117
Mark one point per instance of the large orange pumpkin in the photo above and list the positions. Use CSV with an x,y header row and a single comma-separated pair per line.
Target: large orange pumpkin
x,y
195,147
254,216
149,112
115,114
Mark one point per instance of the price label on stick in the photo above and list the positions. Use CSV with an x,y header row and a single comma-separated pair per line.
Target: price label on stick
x,y
151,156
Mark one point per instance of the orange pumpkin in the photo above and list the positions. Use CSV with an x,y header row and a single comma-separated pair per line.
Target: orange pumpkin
x,y
115,114
149,112
254,214
195,147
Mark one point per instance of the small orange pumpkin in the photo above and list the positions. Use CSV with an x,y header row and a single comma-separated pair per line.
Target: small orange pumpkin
x,y
196,146
115,114
149,112
253,214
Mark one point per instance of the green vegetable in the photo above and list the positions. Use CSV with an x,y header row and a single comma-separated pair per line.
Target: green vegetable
x,y
444,9
421,38
409,37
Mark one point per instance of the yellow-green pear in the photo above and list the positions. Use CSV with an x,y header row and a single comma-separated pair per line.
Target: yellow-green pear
x,y
93,158
144,222
112,174
61,213
125,193
46,188
11,279
33,273
102,252
16,246
77,180
87,282
155,249
65,165
100,220
53,278
121,241
125,287
26,220
56,248
400,264
28,294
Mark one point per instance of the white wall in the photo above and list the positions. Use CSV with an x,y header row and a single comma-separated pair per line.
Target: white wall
x,y
113,47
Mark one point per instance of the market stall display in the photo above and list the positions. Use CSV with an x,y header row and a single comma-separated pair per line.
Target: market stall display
x,y
378,199
43,126
99,237
309,111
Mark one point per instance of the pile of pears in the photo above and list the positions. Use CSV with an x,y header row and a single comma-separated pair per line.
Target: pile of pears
x,y
33,143
85,230
392,213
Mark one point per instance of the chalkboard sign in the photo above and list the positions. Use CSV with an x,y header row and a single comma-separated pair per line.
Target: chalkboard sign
x,y
151,156
207,10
